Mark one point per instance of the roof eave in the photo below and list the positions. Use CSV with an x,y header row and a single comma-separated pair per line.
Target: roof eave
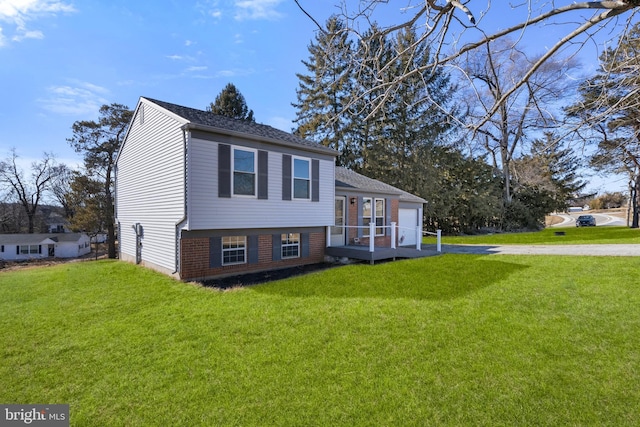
x,y
319,149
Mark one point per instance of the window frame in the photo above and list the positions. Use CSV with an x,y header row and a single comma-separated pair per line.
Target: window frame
x,y
30,249
240,246
254,173
378,220
288,241
294,178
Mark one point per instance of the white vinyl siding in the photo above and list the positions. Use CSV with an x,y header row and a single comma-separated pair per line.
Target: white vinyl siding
x,y
208,211
150,186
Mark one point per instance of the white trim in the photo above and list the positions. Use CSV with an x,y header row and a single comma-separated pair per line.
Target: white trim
x,y
373,217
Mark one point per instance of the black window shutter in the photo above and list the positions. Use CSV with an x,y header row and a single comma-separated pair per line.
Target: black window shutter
x,y
315,180
253,249
286,177
224,170
304,245
215,252
276,249
39,249
387,214
18,250
263,174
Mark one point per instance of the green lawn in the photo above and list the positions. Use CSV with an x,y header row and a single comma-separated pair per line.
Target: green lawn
x,y
449,340
572,236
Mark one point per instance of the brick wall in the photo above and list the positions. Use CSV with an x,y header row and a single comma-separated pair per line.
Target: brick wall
x,y
381,241
194,258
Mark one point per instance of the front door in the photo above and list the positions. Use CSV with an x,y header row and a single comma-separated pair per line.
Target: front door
x,y
338,232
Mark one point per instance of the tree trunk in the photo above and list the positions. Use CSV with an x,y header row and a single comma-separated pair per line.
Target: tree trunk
x,y
31,220
633,200
111,229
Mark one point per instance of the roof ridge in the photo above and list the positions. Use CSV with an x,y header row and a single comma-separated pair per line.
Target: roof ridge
x,y
209,119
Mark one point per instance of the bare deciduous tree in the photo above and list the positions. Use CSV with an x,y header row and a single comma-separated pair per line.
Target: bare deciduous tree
x,y
455,27
489,74
28,191
609,105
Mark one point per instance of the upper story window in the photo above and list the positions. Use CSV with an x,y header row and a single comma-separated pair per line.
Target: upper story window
x,y
301,178
244,172
373,211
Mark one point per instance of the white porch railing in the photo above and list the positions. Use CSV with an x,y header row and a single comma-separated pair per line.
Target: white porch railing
x,y
394,232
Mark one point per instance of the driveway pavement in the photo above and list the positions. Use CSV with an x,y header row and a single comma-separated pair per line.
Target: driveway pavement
x,y
594,250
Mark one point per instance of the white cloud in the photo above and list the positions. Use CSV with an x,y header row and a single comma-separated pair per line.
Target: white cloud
x,y
209,8
18,12
257,9
80,99
196,68
176,57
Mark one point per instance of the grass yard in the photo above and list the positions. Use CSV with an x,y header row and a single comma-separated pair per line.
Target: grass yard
x,y
547,236
450,340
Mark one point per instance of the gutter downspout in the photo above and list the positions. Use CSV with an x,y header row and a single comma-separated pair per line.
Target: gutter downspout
x,y
184,220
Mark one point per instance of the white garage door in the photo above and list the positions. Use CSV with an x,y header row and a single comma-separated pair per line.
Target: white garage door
x,y
407,222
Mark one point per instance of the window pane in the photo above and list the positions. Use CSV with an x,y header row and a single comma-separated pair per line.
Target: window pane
x,y
233,249
301,168
300,189
380,207
366,208
290,245
243,161
290,252
244,183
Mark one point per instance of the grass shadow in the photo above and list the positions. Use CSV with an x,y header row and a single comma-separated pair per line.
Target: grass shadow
x,y
439,278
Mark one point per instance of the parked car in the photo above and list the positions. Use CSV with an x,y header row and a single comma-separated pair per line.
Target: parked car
x,y
586,221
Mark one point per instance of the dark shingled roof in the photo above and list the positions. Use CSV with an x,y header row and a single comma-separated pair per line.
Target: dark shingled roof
x,y
205,118
349,179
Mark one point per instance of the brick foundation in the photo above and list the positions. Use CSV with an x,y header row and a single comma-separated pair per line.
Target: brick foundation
x,y
194,258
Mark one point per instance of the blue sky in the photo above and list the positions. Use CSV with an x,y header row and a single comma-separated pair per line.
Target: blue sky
x,y
62,59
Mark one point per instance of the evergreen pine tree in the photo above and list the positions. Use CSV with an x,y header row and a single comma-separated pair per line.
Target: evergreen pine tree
x,y
323,94
231,103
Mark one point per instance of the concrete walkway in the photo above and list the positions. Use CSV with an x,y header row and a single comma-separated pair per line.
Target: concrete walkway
x,y
592,250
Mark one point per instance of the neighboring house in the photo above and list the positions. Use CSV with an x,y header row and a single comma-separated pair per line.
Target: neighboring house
x,y
200,195
31,246
57,224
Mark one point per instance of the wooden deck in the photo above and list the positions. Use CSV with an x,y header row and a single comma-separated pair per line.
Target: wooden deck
x,y
360,252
